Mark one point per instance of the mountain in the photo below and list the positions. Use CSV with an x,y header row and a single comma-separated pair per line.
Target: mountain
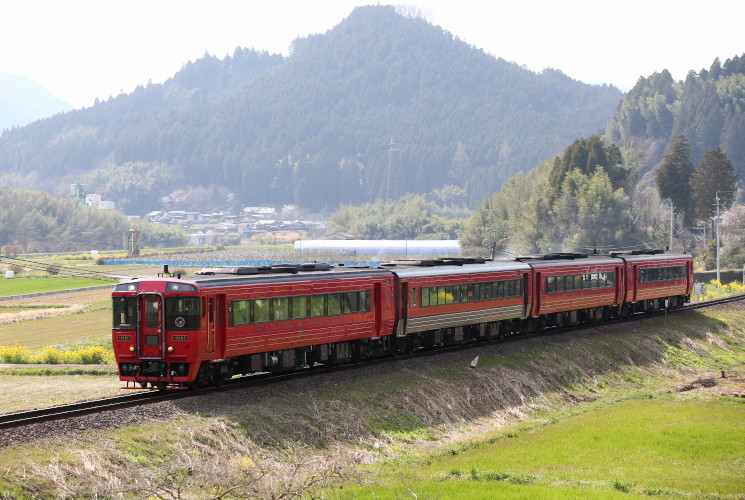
x,y
23,101
381,105
708,107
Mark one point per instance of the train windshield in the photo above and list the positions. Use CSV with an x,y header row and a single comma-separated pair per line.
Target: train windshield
x,y
125,312
182,313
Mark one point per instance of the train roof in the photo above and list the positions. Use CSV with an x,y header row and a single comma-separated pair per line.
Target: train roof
x,y
630,257
450,266
235,276
566,259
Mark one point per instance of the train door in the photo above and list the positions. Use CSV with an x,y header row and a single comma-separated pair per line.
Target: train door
x,y
377,305
620,285
220,324
404,313
212,316
150,335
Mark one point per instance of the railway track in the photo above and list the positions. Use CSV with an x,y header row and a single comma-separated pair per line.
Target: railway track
x,y
54,413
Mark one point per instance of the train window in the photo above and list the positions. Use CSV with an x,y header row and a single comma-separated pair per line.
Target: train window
x,y
317,305
412,297
333,304
239,313
260,310
550,284
347,301
280,309
125,312
365,301
425,297
518,288
500,290
580,283
611,278
182,313
152,316
299,307
570,283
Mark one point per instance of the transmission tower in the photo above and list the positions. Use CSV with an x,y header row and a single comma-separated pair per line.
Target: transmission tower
x,y
392,187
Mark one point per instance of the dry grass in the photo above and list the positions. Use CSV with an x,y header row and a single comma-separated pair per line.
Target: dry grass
x,y
28,392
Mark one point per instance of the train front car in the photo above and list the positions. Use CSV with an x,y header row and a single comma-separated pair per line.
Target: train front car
x,y
202,330
158,326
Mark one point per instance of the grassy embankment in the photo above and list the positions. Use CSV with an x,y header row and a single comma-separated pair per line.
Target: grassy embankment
x,y
628,410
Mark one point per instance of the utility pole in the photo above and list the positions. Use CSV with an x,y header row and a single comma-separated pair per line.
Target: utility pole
x,y
718,275
391,189
672,218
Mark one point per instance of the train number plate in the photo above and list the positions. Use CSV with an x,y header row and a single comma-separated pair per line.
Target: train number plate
x,y
180,337
123,337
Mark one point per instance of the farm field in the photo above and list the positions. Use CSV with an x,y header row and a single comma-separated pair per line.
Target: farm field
x,y
674,446
48,326
21,286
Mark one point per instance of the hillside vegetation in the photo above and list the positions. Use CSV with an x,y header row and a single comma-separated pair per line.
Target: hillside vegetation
x,y
321,126
708,107
34,221
617,411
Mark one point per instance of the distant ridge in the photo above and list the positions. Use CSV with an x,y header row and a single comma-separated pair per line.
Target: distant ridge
x,y
23,101
321,127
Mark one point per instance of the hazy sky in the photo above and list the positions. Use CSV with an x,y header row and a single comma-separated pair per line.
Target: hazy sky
x,y
83,49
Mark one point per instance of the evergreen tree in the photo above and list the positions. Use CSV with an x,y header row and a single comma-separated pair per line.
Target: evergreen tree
x,y
714,175
674,175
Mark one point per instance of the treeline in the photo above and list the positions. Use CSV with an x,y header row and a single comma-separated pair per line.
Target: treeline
x,y
33,221
581,200
381,91
441,217
589,199
707,107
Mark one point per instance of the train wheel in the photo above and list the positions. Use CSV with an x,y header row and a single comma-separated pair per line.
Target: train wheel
x,y
204,376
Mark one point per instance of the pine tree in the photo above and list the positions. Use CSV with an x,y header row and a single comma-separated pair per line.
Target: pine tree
x,y
674,175
714,175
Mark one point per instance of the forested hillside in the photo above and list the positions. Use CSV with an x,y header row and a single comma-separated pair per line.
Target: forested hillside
x,y
708,107
322,126
680,141
32,221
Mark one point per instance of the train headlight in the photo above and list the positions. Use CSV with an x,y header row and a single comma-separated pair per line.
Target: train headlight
x,y
170,348
132,348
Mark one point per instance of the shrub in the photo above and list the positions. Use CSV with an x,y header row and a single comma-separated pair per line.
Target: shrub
x,y
15,354
50,355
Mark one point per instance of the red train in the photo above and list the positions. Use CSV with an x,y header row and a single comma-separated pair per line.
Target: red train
x,y
174,332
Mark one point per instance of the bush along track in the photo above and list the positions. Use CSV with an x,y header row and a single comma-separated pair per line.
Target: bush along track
x,y
542,408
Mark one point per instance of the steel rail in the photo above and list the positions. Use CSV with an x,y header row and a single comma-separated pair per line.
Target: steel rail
x,y
59,412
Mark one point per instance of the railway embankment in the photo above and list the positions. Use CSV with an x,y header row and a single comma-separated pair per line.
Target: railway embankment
x,y
316,431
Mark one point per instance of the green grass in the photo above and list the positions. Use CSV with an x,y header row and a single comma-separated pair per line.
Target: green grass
x,y
635,448
22,286
73,329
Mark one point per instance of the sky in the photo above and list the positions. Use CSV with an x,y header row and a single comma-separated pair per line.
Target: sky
x,y
81,50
